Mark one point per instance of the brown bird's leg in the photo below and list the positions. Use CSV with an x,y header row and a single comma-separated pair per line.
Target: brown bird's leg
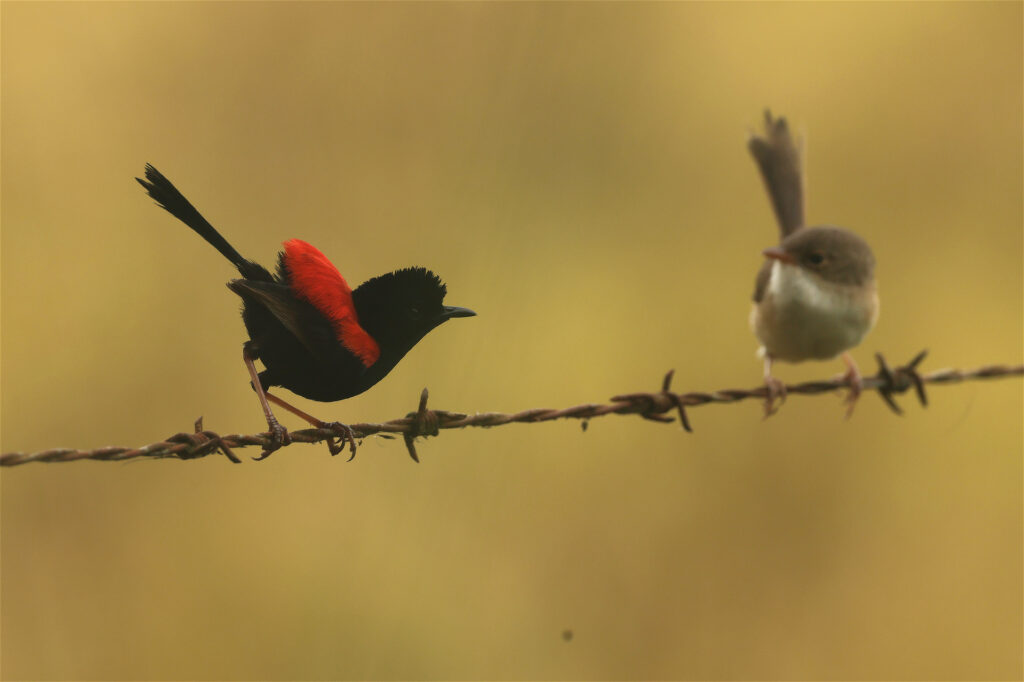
x,y
775,388
279,435
343,430
854,380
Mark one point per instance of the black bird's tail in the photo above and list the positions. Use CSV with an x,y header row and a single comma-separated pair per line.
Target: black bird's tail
x,y
778,159
171,200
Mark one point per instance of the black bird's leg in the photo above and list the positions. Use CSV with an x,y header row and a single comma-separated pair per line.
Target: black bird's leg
x,y
343,431
279,435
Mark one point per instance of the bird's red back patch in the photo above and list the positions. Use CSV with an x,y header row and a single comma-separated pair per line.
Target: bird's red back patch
x,y
315,279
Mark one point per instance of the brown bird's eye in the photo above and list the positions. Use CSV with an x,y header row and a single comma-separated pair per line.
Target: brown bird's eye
x,y
816,258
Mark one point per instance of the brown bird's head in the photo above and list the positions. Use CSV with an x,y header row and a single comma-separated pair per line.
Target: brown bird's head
x,y
834,254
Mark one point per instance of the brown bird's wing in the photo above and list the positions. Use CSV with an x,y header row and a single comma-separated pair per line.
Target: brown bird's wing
x,y
282,304
761,283
778,158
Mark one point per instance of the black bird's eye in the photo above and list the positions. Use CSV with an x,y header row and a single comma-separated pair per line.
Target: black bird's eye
x,y
816,258
414,313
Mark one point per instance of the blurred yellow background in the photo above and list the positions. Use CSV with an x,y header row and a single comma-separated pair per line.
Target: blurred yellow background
x,y
578,175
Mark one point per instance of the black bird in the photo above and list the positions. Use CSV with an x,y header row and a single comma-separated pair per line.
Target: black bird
x,y
316,336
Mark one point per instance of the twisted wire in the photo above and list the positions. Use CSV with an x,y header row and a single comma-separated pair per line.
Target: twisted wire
x,y
888,382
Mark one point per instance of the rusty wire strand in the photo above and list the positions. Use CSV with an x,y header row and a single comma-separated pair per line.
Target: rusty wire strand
x,y
425,422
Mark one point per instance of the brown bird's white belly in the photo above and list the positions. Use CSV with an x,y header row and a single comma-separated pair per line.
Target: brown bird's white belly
x,y
804,317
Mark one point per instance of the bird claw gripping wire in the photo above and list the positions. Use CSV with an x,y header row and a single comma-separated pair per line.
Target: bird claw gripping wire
x,y
202,443
345,434
279,437
424,423
774,389
899,380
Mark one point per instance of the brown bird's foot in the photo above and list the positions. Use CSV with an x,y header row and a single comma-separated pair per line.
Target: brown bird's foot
x,y
344,433
279,437
776,390
855,381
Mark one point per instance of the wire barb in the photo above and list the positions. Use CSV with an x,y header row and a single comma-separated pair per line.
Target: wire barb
x,y
202,443
424,422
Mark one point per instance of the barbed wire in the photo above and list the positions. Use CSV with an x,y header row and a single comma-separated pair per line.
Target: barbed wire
x,y
888,382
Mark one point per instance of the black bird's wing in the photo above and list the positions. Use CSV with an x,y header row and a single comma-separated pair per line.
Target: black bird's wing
x,y
301,319
778,159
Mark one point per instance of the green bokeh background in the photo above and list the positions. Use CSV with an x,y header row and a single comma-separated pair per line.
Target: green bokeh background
x,y
577,174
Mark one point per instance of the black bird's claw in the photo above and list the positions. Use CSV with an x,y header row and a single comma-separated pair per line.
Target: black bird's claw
x,y
344,433
279,437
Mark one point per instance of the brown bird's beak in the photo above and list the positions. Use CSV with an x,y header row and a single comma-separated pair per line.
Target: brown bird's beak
x,y
779,254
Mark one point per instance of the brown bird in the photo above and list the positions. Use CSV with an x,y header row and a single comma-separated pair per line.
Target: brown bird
x,y
815,295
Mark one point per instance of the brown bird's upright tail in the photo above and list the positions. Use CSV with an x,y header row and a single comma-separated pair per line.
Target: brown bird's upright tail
x,y
778,158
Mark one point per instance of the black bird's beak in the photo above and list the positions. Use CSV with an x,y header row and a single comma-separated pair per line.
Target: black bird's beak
x,y
450,311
